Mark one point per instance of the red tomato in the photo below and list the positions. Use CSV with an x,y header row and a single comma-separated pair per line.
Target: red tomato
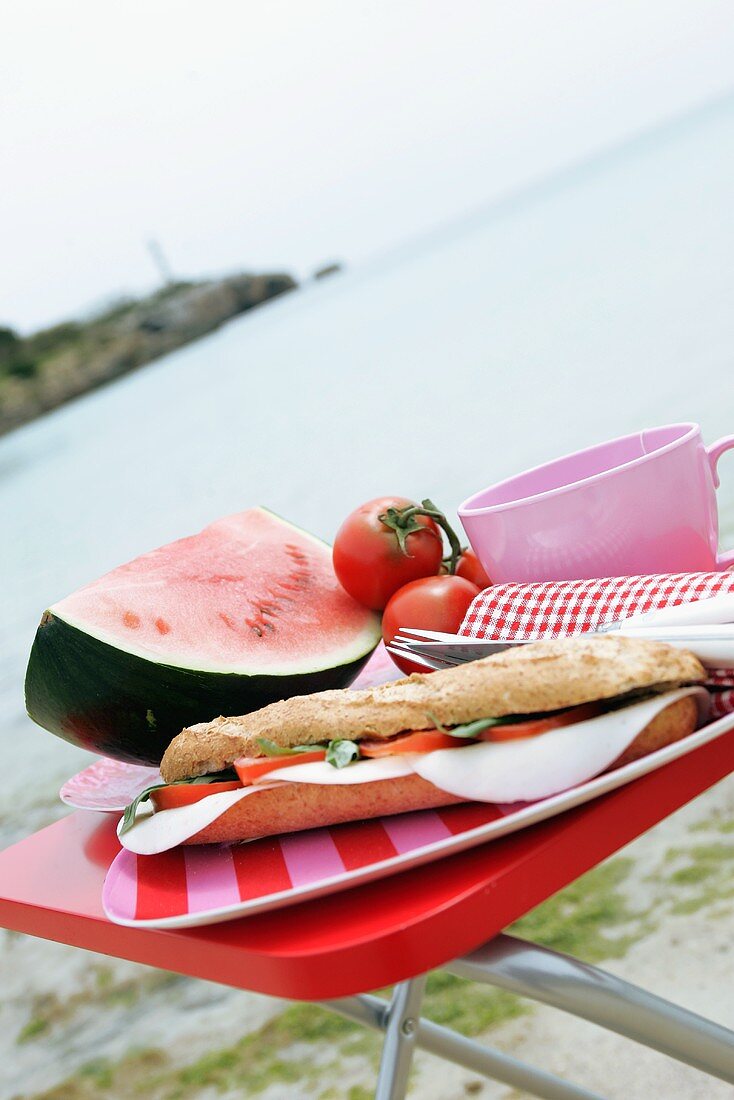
x,y
420,741
535,726
250,768
471,569
368,560
184,794
432,603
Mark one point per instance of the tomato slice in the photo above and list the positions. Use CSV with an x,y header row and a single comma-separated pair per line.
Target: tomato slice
x,y
534,726
184,794
249,768
432,740
419,741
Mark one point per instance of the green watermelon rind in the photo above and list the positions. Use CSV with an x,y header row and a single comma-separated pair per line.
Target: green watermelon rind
x,y
117,703
85,686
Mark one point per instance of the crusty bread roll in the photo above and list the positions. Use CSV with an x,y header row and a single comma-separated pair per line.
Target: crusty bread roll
x,y
541,676
292,807
676,721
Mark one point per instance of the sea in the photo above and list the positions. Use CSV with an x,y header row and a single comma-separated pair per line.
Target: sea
x,y
591,304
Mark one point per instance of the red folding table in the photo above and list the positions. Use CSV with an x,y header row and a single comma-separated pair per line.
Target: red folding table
x,y
448,914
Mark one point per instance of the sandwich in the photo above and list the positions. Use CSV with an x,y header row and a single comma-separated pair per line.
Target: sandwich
x,y
520,725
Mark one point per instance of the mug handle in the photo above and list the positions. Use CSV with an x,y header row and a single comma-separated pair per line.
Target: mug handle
x,y
714,453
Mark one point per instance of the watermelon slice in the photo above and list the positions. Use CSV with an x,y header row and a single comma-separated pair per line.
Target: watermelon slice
x,y
244,613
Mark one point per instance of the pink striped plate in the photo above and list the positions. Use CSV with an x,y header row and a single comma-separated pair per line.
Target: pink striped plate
x,y
205,884
107,785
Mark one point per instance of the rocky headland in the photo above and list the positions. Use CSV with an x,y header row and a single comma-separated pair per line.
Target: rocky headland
x,y
48,368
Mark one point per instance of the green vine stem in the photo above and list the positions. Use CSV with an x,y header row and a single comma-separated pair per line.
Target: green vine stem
x,y
403,522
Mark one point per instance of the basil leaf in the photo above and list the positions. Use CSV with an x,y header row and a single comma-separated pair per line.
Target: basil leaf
x,y
128,817
473,729
341,753
269,748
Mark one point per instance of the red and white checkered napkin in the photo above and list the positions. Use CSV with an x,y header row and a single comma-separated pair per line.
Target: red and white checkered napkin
x,y
555,609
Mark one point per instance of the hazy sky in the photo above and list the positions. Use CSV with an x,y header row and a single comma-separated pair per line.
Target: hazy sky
x,y
288,133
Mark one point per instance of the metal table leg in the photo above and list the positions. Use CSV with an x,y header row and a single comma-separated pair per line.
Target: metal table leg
x,y
401,1019
592,994
374,1013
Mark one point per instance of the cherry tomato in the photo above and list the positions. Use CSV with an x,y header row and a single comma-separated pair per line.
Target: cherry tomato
x,y
250,768
534,726
471,569
419,741
368,560
432,603
184,794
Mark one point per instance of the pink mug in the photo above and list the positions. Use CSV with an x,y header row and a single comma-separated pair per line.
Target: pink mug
x,y
643,503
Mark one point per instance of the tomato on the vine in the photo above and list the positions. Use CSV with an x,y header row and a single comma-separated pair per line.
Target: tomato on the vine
x,y
432,603
472,569
368,559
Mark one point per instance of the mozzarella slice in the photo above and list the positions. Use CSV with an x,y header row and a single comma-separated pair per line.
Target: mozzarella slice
x,y
532,768
157,832
361,771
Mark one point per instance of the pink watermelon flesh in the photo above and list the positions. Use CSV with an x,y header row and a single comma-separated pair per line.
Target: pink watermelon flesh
x,y
250,594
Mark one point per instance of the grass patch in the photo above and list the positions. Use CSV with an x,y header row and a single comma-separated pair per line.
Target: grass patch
x,y
577,920
467,1007
710,871
101,1077
706,870
706,861
716,823
36,1026
102,992
264,1058
691,875
301,1049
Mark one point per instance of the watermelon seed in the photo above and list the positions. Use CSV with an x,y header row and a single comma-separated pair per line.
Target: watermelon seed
x,y
279,592
162,626
130,619
296,554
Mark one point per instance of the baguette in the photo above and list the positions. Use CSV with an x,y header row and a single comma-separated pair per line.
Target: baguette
x,y
293,807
